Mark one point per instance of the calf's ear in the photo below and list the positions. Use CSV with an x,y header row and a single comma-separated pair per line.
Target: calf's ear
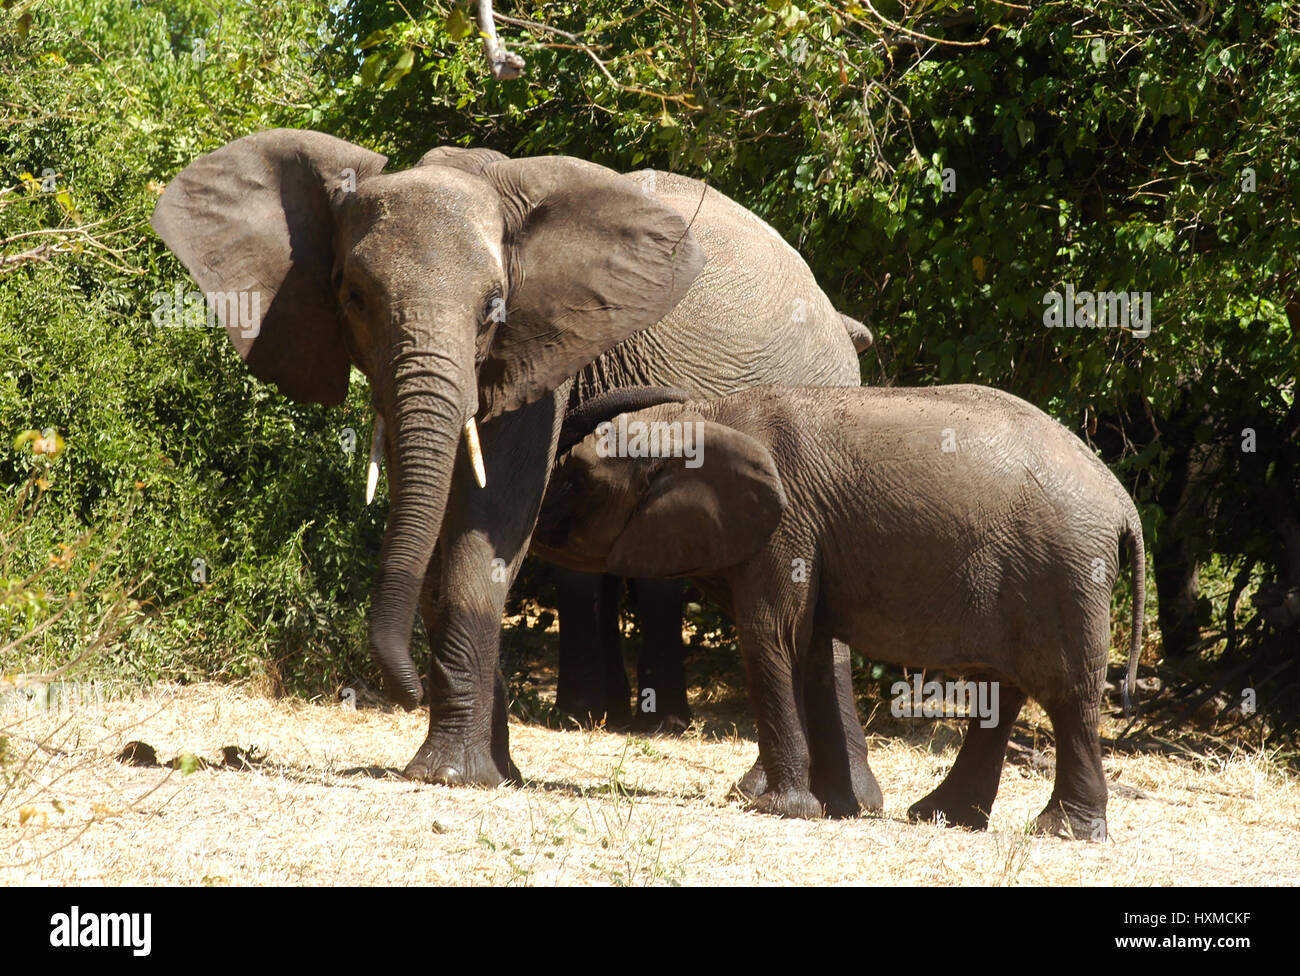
x,y
701,514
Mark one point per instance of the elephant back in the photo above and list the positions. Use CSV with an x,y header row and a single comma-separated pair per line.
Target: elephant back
x,y
755,316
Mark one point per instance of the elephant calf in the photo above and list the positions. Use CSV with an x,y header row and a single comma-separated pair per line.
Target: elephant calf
x,y
956,528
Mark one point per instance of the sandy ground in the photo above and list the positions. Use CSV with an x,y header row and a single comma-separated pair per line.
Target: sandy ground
x,y
325,806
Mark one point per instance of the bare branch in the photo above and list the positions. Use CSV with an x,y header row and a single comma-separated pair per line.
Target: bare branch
x,y
578,44
68,240
504,64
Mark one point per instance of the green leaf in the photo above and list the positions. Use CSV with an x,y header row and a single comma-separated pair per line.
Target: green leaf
x,y
370,69
375,38
401,69
458,24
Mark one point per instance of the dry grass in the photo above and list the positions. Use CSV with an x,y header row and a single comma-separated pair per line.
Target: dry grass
x,y
325,807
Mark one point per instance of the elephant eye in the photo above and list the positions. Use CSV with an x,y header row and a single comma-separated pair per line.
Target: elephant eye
x,y
350,299
493,310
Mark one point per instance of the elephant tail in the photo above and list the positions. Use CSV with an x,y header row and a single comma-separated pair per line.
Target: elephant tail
x,y
859,333
1132,535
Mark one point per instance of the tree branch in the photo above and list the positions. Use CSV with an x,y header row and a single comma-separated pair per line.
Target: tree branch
x,y
503,64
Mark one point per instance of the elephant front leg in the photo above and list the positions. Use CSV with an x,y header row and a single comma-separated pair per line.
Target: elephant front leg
x,y
782,745
965,797
840,775
484,538
468,740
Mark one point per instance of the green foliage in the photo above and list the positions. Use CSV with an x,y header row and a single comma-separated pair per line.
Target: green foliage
x,y
113,98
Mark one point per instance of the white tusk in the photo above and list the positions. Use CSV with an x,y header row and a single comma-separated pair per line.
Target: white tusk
x,y
376,453
475,452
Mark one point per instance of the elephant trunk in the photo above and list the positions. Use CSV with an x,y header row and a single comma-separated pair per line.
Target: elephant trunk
x,y
427,414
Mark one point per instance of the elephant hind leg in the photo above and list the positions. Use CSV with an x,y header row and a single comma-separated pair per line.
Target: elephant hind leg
x,y
1077,808
965,797
592,688
661,705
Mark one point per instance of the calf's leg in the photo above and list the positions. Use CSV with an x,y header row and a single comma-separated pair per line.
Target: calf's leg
x,y
841,777
965,797
1077,808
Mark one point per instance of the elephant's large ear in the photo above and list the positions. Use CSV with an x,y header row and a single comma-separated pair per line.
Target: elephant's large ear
x,y
254,223
701,518
592,259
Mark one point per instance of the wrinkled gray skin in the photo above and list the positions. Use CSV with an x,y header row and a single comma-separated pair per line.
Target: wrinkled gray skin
x,y
603,277
994,559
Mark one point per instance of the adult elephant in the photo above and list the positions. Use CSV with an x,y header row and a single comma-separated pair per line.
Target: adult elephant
x,y
475,287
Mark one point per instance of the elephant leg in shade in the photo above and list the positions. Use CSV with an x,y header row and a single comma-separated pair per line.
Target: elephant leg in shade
x,y
661,704
592,687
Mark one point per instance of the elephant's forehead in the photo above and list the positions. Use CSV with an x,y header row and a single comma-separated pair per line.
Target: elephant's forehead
x,y
428,218
431,196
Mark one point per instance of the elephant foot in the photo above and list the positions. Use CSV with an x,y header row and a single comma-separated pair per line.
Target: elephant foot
x,y
753,783
584,715
937,807
866,792
794,804
866,789
861,793
1060,819
561,718
441,764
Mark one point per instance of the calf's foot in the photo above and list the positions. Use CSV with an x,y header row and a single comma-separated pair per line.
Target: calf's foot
x,y
795,804
753,783
1070,821
866,794
950,810
866,789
